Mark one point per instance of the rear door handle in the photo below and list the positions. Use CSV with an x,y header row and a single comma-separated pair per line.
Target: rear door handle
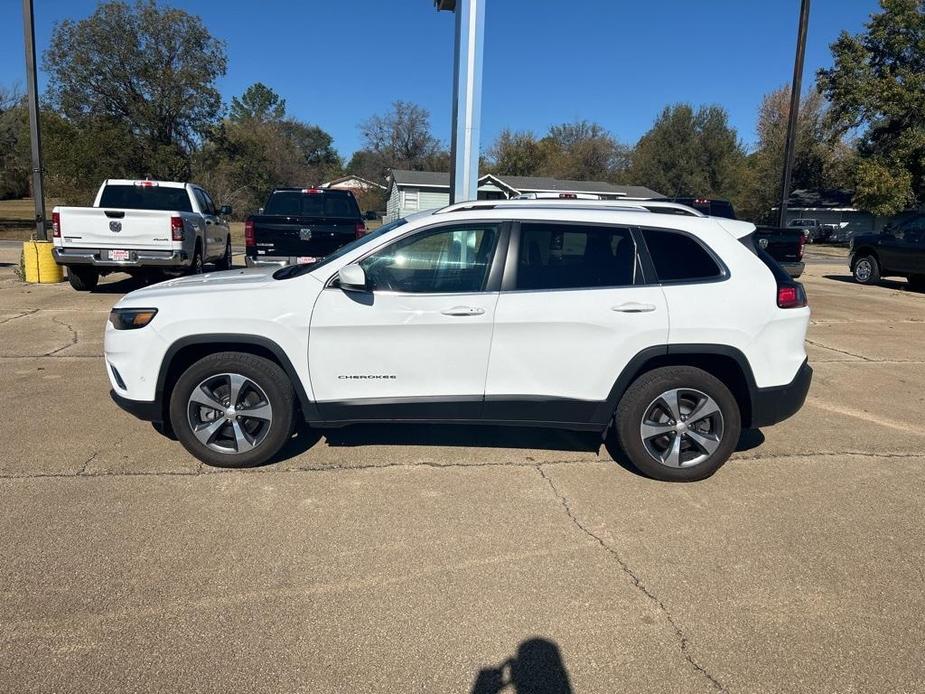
x,y
633,307
463,311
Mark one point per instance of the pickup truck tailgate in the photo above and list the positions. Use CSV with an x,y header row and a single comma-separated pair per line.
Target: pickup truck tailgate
x,y
102,228
301,236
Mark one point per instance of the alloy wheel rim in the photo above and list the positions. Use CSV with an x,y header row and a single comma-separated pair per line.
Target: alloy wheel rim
x,y
229,413
862,270
682,428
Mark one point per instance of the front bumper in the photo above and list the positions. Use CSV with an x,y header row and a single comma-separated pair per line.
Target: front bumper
x,y
147,410
138,258
773,405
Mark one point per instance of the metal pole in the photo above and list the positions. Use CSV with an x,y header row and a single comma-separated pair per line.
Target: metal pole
x,y
38,184
467,96
790,147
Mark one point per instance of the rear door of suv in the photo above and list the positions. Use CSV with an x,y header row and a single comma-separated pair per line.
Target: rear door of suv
x,y
574,309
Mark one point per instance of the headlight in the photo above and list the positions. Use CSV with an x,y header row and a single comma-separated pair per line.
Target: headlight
x,y
131,318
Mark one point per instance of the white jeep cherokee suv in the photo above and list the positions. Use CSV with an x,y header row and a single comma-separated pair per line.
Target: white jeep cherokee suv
x,y
674,329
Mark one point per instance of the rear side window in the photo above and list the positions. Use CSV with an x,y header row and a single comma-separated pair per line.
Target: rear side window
x,y
295,203
132,197
680,258
565,256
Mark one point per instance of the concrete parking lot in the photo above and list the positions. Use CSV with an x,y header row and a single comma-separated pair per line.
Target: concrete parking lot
x,y
441,559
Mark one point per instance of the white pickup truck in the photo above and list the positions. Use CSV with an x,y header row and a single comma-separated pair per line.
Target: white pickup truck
x,y
141,227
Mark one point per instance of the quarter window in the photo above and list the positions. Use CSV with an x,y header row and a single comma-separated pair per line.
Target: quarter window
x,y
565,256
448,260
679,258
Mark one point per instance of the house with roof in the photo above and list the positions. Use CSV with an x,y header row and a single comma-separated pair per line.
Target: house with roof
x,y
834,207
414,191
353,183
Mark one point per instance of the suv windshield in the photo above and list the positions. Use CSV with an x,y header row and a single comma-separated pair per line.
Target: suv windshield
x,y
295,203
152,197
290,271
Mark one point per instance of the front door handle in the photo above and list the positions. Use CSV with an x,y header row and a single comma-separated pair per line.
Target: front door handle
x,y
463,311
633,307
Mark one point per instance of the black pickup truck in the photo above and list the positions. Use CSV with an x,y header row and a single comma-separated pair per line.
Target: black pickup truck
x,y
301,225
898,251
786,246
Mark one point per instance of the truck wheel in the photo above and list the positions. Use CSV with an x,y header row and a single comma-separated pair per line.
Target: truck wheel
x,y
83,279
678,424
195,267
233,409
225,262
866,270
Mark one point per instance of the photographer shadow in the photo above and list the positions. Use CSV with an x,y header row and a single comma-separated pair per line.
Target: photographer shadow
x,y
537,668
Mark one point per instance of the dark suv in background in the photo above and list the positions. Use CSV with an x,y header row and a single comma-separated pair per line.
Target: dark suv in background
x,y
301,225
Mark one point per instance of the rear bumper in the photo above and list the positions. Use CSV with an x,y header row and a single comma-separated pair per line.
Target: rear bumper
x,y
138,258
773,405
265,260
147,410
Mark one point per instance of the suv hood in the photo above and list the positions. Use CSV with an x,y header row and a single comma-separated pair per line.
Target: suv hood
x,y
249,278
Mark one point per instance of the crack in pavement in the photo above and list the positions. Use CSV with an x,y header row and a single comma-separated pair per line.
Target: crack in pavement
x,y
73,337
25,313
840,351
683,641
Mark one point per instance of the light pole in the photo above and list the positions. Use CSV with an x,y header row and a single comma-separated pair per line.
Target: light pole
x,y
467,96
789,148
38,183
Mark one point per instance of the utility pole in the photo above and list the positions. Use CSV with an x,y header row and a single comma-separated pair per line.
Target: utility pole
x,y
467,96
789,149
38,183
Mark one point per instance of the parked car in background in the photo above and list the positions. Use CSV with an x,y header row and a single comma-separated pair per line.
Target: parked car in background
x,y
141,227
709,207
301,225
899,251
815,232
500,313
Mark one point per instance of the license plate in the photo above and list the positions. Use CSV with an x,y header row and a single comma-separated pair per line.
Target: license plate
x,y
305,259
119,255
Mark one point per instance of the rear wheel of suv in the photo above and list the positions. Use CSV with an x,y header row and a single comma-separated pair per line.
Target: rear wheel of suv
x,y
678,424
866,270
233,409
83,279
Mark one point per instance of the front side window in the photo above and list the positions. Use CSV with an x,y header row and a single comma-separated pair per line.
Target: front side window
x,y
448,260
566,256
680,258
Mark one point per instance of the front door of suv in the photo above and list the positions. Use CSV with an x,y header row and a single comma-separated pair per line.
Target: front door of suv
x,y
573,311
416,345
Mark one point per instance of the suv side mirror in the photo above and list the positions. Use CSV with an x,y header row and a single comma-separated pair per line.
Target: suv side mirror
x,y
225,210
352,278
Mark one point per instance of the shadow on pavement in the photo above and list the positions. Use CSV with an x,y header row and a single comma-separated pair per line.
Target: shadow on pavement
x,y
889,284
536,668
468,435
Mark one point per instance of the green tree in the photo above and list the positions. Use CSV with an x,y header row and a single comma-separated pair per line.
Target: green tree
x,y
583,151
257,103
877,86
688,152
400,138
14,169
145,69
516,154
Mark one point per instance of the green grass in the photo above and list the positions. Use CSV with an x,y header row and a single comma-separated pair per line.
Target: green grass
x,y
20,211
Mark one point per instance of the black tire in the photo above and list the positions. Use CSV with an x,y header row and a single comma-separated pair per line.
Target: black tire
x,y
83,279
866,269
196,266
268,377
224,263
636,407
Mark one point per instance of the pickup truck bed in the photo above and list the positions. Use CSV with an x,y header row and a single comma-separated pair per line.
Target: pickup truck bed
x,y
785,246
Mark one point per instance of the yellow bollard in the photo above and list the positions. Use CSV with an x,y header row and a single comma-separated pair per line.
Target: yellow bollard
x,y
40,265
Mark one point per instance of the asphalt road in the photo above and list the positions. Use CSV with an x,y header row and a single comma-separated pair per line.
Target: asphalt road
x,y
440,559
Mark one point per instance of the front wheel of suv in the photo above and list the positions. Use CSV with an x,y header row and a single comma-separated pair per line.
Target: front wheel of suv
x,y
678,424
232,409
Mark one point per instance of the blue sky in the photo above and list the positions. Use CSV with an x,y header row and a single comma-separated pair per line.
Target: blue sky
x,y
547,61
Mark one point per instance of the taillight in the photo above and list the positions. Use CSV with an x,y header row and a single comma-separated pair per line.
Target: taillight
x,y
56,224
790,296
176,228
360,229
802,246
311,191
249,232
